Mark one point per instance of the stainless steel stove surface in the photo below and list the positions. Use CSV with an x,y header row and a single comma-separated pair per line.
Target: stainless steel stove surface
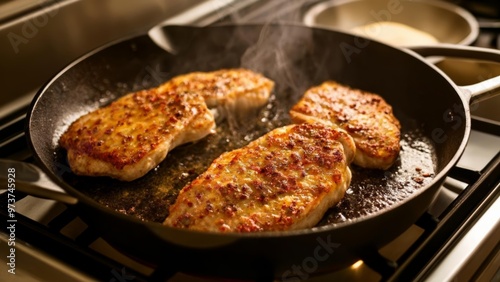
x,y
456,240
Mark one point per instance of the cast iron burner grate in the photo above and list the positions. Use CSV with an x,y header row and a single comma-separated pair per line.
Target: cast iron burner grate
x,y
438,237
74,252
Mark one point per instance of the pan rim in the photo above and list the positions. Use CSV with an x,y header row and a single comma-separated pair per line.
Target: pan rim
x,y
82,198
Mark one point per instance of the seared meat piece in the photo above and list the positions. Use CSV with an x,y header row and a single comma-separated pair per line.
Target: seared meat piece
x,y
284,180
236,90
365,116
132,135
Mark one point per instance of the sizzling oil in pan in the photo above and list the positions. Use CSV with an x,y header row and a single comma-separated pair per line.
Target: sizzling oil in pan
x,y
149,197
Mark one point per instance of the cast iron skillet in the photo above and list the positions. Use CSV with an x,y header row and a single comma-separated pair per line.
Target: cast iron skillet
x,y
380,205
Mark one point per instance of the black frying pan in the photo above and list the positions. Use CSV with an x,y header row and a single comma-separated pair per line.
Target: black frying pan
x,y
380,205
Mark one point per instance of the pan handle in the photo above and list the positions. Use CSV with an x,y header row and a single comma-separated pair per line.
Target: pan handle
x,y
475,92
29,179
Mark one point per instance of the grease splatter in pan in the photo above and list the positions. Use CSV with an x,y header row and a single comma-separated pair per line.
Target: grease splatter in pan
x,y
149,197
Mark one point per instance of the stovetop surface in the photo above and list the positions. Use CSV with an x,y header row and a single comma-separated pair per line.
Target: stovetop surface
x,y
46,217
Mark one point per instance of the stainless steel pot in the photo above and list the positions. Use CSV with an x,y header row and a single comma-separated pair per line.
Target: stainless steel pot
x,y
447,22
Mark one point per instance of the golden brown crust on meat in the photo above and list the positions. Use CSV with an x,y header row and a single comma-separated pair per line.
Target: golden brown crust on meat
x,y
365,116
226,86
286,179
133,134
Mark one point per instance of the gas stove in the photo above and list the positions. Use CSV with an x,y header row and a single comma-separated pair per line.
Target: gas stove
x,y
456,239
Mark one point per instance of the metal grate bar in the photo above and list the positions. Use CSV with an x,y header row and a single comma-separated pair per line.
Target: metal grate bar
x,y
86,238
66,250
61,220
456,220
